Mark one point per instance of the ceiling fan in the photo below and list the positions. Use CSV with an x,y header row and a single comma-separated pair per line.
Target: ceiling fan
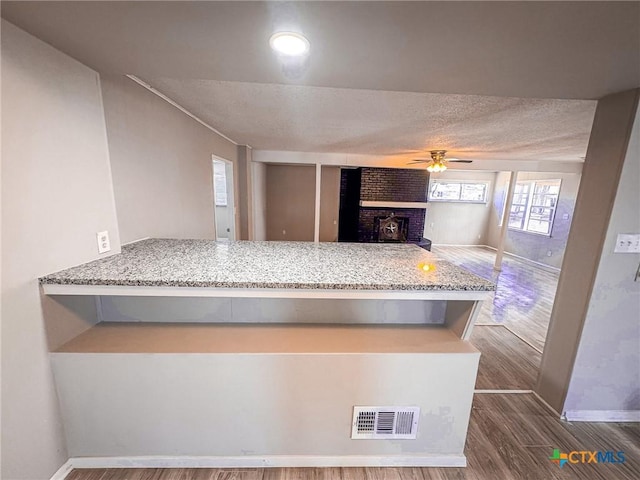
x,y
437,162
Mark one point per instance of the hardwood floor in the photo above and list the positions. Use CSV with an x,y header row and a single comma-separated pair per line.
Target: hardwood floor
x,y
512,327
524,296
506,362
511,437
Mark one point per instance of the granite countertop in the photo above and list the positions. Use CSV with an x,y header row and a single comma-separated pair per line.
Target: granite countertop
x,y
248,264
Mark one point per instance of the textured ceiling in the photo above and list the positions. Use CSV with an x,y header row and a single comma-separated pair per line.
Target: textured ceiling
x,y
516,49
316,119
382,77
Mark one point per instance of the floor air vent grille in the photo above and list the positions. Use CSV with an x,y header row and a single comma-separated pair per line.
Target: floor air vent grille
x,y
385,423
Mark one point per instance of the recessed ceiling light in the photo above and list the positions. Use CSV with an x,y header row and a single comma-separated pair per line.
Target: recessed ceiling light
x,y
289,43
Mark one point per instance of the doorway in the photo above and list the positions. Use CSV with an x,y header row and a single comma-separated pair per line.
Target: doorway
x,y
224,204
512,327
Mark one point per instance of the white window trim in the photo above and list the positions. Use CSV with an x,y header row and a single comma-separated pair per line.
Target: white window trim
x,y
530,195
468,182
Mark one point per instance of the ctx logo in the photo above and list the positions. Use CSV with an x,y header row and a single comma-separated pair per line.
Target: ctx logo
x,y
585,456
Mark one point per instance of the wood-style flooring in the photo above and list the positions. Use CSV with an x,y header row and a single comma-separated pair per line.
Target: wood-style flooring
x,y
506,362
524,296
511,437
512,326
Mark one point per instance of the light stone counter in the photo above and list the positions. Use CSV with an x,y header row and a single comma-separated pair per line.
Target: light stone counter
x,y
272,265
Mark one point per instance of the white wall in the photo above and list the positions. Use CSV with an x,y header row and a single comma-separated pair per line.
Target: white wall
x,y
56,194
448,223
606,373
161,163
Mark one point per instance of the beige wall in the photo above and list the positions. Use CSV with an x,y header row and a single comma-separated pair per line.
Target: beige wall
x,y
259,210
459,223
610,340
290,202
56,194
244,194
261,405
575,295
161,163
329,204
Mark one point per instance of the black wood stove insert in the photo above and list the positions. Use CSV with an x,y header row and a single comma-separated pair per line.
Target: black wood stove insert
x,y
390,229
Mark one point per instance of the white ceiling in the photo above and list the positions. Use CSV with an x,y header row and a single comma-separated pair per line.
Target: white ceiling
x,y
321,119
370,82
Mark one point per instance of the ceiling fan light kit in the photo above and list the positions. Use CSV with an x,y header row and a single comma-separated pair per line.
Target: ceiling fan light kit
x,y
438,162
436,168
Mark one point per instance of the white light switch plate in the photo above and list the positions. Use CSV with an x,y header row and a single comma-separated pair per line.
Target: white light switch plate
x,y
103,242
627,243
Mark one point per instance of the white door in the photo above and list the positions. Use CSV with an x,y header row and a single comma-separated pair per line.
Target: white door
x,y
223,197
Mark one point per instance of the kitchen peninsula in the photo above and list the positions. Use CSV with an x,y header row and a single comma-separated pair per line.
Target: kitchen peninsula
x,y
203,353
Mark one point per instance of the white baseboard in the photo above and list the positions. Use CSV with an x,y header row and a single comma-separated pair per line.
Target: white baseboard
x,y
63,471
602,415
271,461
459,245
541,265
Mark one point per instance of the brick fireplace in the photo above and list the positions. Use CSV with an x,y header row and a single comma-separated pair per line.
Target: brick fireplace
x,y
381,194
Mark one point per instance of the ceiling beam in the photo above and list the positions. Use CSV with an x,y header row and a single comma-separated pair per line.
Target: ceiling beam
x,y
390,161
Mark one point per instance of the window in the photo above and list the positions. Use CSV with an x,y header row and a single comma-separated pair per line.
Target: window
x,y
220,183
458,191
519,205
534,206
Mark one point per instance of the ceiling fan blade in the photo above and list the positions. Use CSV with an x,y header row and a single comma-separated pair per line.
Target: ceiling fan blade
x,y
452,160
419,161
